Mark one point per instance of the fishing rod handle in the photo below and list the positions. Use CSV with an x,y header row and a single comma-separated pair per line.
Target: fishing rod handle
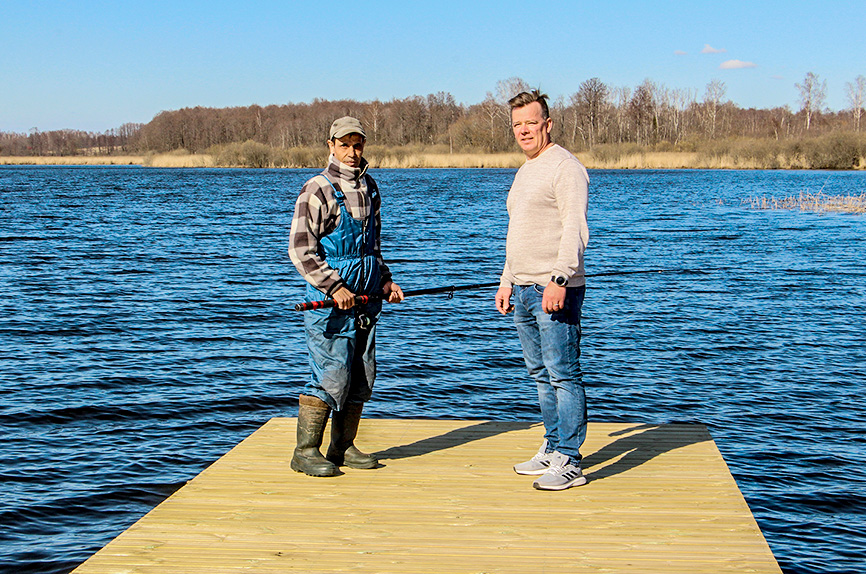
x,y
329,303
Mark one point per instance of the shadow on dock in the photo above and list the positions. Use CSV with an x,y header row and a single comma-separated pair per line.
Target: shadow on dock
x,y
636,449
453,438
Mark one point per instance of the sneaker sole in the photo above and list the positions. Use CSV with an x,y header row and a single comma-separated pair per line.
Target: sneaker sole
x,y
576,482
531,472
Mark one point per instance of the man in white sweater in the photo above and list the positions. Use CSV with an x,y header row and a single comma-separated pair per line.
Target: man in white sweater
x,y
544,273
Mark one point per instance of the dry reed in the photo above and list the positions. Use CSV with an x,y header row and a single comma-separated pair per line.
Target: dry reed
x,y
446,160
815,202
418,157
639,160
179,160
73,160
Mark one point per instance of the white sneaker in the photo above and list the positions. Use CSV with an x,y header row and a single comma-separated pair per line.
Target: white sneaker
x,y
560,475
538,464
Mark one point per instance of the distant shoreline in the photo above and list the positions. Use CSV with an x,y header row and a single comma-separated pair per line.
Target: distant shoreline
x,y
651,160
421,160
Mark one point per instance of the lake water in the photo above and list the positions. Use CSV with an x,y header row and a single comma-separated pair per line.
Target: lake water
x,y
147,327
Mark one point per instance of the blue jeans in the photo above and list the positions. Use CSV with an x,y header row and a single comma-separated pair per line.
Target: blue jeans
x,y
551,349
342,357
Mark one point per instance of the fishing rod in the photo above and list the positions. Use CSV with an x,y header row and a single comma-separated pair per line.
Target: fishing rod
x,y
449,289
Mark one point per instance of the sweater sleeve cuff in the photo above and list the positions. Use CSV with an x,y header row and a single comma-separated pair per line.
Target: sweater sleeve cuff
x,y
334,287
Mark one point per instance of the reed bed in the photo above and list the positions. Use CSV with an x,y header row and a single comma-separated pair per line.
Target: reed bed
x,y
179,160
250,154
383,159
172,159
73,160
699,160
639,160
439,160
814,202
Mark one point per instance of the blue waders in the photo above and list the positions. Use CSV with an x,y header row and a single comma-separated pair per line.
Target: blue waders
x,y
342,350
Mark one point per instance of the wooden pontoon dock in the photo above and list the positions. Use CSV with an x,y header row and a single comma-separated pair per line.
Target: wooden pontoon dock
x,y
660,499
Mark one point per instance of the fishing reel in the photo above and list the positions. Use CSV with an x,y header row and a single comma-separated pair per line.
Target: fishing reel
x,y
363,321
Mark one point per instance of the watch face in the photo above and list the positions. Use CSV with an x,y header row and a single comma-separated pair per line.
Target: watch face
x,y
561,281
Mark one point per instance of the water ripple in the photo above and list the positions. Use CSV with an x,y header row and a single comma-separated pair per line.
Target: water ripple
x,y
147,328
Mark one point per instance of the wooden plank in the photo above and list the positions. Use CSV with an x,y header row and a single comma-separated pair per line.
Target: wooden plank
x,y
445,500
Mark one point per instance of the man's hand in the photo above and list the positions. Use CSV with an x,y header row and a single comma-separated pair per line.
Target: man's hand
x,y
344,298
503,300
392,292
553,298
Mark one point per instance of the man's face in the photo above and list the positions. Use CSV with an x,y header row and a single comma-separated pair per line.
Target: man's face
x,y
531,130
348,149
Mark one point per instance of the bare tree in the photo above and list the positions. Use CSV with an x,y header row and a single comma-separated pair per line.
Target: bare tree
x,y
558,113
493,112
641,109
813,94
681,100
571,124
507,89
856,92
444,111
374,115
589,101
621,96
712,99
780,119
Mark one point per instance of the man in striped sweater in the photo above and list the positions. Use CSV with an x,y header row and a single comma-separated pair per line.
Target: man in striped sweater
x,y
335,245
547,235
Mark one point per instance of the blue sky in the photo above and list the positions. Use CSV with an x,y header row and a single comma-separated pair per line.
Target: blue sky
x,y
95,65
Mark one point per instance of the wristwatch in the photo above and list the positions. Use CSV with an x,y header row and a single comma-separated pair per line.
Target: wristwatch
x,y
559,280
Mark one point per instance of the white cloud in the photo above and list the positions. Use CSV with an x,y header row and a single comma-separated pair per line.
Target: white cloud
x,y
736,65
679,53
710,50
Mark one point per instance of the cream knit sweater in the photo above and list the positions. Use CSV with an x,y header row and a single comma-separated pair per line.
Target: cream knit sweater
x,y
547,229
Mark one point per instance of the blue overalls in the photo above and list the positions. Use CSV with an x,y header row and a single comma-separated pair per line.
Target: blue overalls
x,y
342,354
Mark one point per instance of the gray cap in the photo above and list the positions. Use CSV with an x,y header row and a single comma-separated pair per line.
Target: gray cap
x,y
345,126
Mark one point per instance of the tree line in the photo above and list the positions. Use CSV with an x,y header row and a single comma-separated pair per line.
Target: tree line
x,y
648,115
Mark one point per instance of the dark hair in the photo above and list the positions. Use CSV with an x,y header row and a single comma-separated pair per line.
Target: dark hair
x,y
333,139
526,98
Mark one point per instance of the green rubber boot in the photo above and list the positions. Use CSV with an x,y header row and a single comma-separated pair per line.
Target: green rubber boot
x,y
312,418
344,429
